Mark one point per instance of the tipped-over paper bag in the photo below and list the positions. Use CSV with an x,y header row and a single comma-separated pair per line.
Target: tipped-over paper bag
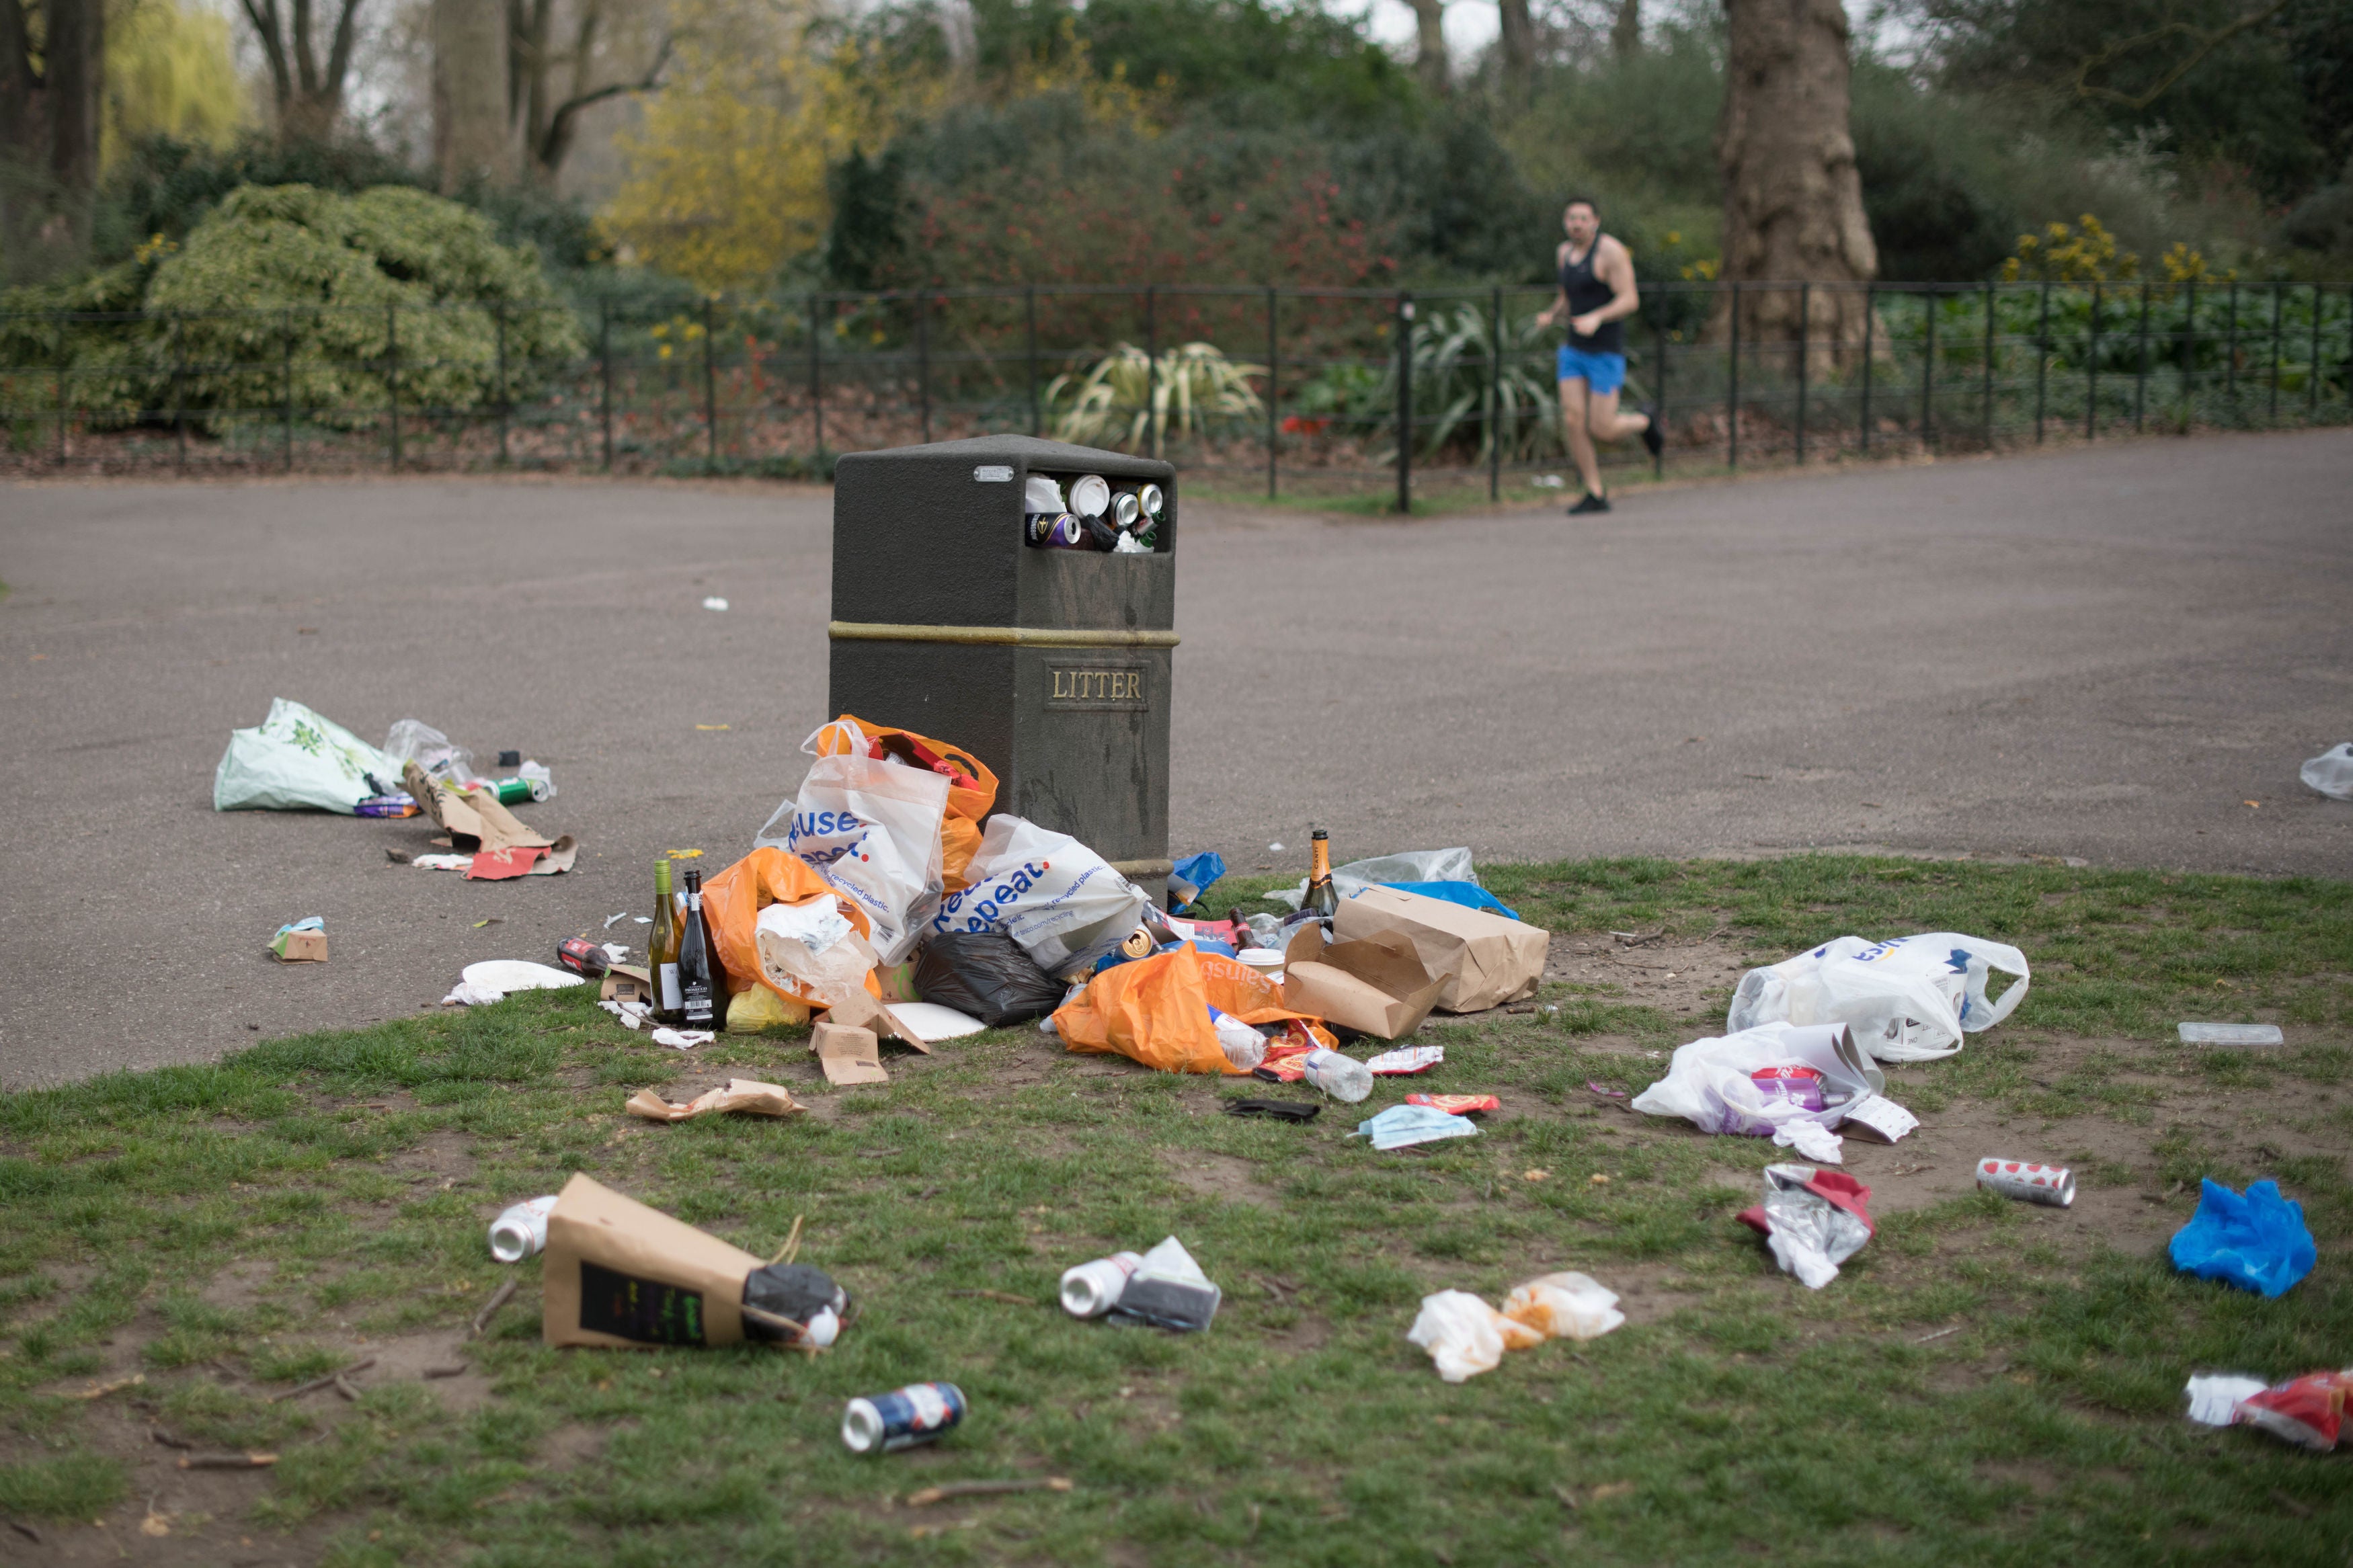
x,y
621,1275
501,845
1376,986
1485,959
748,1095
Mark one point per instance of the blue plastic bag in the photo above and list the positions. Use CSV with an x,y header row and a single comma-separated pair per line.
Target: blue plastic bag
x,y
1194,876
2257,1242
1469,895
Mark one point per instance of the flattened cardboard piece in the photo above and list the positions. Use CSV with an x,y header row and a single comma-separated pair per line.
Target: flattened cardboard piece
x,y
1376,985
627,1277
503,865
626,983
898,981
862,1011
301,947
470,815
1486,959
849,1055
747,1095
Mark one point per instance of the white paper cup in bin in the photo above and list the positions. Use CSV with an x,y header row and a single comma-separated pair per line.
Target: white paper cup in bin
x,y
1091,1289
522,1231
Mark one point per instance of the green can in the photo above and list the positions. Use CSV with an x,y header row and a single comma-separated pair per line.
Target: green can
x,y
514,791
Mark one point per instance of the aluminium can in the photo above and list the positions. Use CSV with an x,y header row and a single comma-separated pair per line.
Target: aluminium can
x,y
886,1423
2027,1182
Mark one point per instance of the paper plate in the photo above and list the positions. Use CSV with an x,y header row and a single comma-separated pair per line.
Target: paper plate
x,y
518,974
933,1022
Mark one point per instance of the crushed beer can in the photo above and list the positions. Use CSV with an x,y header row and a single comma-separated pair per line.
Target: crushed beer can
x,y
886,1423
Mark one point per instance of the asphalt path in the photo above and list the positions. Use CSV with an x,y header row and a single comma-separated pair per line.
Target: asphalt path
x,y
2118,654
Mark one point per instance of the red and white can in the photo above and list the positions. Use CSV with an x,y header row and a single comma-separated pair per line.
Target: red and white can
x,y
2029,1183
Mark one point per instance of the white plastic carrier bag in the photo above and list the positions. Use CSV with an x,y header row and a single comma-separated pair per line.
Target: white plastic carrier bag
x,y
294,761
1059,899
1756,1081
871,829
1908,1000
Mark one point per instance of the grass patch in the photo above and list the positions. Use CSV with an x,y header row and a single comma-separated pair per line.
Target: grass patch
x,y
236,1228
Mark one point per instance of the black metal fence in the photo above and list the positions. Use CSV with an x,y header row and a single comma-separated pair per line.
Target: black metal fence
x,y
1250,389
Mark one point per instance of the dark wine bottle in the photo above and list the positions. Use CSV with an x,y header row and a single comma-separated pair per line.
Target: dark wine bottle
x,y
700,990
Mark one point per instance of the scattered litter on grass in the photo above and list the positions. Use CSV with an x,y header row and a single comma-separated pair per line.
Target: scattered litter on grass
x,y
2307,1411
1465,1337
1167,1291
1406,1061
2256,1240
886,1423
1402,1126
745,1094
1092,1289
1275,1109
1812,1220
1456,1104
480,984
2231,1035
1908,1000
520,1231
2052,1186
683,1039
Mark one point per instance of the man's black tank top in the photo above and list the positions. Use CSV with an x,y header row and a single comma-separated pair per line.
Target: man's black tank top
x,y
1586,292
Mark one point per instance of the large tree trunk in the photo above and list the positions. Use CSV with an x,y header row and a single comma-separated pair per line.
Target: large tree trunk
x,y
1430,61
1792,199
471,138
48,133
1519,39
1626,33
308,89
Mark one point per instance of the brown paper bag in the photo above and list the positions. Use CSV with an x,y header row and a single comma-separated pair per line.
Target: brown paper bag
x,y
1486,959
1376,986
748,1095
849,1055
621,1275
476,815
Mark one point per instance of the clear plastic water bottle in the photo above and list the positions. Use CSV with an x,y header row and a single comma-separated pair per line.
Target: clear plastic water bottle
x,y
1343,1078
1244,1046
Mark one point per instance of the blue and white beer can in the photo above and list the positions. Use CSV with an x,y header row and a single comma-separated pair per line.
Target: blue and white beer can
x,y
886,1423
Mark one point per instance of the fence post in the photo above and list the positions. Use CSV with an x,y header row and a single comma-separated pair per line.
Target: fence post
x,y
923,359
1273,392
1870,323
2091,374
2140,374
1405,405
1152,369
1805,348
501,309
392,377
2311,379
286,386
1732,388
1495,396
2270,416
1928,371
58,320
2230,358
605,376
816,385
2042,360
2190,355
1986,414
1659,336
710,390
1037,415
180,387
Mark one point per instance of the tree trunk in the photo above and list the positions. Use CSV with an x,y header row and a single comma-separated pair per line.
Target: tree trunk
x,y
1519,39
1430,61
471,136
48,133
1626,33
308,91
1792,199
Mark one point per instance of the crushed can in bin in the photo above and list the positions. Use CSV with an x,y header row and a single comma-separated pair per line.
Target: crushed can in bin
x,y
886,1423
2053,1185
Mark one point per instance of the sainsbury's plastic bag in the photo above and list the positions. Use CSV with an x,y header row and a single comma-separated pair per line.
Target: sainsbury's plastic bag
x,y
1754,1081
1059,899
296,761
732,902
972,788
2331,772
871,829
1157,1010
1412,866
1908,1000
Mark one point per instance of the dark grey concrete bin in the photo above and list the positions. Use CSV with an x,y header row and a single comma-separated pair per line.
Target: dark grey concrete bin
x,y
1051,666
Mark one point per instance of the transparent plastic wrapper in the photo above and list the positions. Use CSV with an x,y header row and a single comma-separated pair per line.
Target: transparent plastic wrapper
x,y
871,829
414,740
2331,772
1461,1334
812,950
1412,866
1759,1080
2231,1035
1908,1000
1812,1220
1465,1337
1564,1307
1059,899
294,760
2256,1240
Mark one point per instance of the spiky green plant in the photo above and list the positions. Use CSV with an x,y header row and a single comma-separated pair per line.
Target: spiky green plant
x,y
1120,401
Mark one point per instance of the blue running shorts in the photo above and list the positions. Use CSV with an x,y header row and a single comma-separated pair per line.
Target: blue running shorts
x,y
1602,373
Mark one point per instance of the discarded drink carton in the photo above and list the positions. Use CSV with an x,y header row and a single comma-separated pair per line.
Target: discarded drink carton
x,y
304,942
1486,960
1376,985
1169,1291
849,1055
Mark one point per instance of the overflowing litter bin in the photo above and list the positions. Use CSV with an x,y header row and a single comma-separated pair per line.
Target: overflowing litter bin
x,y
1040,638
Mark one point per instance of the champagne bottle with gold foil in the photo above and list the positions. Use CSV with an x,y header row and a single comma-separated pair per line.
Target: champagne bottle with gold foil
x,y
1323,898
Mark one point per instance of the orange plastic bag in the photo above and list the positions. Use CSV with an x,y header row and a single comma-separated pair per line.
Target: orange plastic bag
x,y
972,788
732,902
1157,1010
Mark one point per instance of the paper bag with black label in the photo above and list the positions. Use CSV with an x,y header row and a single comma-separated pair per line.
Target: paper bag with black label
x,y
621,1275
1375,986
1485,959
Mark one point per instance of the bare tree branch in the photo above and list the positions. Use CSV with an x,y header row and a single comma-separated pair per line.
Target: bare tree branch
x,y
557,140
2207,43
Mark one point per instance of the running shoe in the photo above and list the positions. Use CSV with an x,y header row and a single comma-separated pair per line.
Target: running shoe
x,y
1591,503
1652,438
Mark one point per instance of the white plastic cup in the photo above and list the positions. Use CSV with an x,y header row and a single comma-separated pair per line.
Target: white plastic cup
x,y
1344,1079
1091,1289
1090,495
522,1231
